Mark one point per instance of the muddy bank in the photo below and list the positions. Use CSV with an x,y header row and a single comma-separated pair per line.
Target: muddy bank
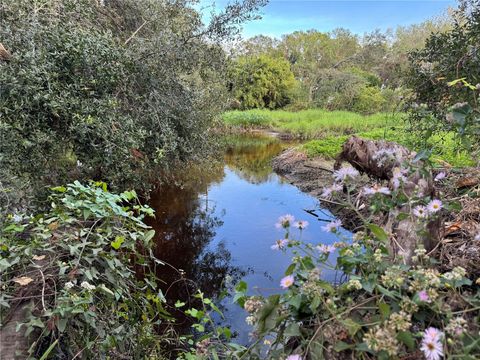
x,y
311,175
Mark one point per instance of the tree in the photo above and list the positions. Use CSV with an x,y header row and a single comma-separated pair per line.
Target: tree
x,y
261,81
112,90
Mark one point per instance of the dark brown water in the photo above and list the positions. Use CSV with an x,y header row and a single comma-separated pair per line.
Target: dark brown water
x,y
219,226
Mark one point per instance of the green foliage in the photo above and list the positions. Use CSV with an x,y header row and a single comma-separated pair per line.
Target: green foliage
x,y
261,82
313,123
110,90
445,74
369,101
90,258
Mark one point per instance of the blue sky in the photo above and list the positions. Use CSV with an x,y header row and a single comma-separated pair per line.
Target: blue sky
x,y
359,16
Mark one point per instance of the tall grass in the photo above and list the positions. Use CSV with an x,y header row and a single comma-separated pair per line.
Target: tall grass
x,y
313,123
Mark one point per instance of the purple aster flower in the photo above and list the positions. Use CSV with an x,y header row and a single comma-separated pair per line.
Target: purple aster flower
x,y
301,224
332,226
434,206
423,296
375,189
294,357
440,176
287,281
420,211
279,244
431,344
285,221
326,249
344,173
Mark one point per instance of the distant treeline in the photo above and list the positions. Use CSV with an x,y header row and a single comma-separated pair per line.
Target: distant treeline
x,y
335,70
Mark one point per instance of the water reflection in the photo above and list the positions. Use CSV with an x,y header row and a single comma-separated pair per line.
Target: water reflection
x,y
250,157
218,223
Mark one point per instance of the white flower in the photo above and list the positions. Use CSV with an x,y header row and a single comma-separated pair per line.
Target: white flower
x,y
420,211
326,249
376,189
440,176
328,192
344,173
69,285
285,221
250,320
434,206
301,224
17,218
477,237
87,286
332,226
279,244
431,344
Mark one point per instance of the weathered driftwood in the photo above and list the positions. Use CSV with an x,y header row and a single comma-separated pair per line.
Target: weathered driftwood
x,y
405,233
4,54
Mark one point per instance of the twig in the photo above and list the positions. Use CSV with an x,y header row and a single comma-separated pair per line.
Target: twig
x,y
318,167
135,32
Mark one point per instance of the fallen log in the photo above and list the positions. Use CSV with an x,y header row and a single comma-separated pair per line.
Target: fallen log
x,y
382,160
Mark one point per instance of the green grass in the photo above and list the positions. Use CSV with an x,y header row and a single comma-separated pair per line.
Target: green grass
x,y
310,124
327,131
444,146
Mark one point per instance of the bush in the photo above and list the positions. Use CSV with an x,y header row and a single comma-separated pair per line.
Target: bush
x,y
369,101
89,257
261,82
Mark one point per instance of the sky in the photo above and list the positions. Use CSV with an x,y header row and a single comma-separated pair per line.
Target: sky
x,y
359,16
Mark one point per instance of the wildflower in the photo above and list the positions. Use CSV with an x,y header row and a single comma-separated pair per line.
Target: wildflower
x,y
423,296
477,237
375,189
398,177
301,224
456,274
285,221
431,344
354,284
434,206
440,176
287,281
294,357
432,334
420,211
252,305
345,173
332,226
87,286
348,252
325,249
279,244
17,218
328,192
456,326
358,236
377,256
69,285
250,320
379,339
400,321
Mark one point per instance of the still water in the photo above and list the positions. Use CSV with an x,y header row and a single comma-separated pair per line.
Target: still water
x,y
219,227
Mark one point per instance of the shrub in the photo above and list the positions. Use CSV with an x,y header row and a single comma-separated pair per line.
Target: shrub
x,y
369,101
89,258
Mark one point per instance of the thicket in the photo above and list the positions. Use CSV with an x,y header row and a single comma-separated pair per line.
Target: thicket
x,y
116,90
445,76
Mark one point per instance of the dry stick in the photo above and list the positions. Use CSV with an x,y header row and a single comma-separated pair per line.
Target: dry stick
x,y
135,32
318,167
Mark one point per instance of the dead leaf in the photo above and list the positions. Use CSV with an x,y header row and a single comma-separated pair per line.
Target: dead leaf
x,y
53,226
23,281
38,257
453,228
467,182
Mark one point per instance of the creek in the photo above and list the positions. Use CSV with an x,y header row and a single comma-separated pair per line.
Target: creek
x,y
219,228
